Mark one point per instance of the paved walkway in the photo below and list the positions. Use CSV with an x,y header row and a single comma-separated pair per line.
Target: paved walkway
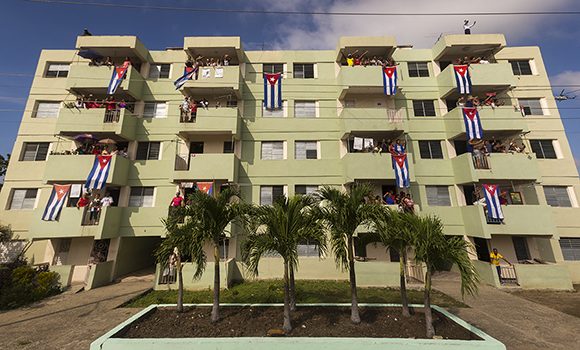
x,y
518,323
69,321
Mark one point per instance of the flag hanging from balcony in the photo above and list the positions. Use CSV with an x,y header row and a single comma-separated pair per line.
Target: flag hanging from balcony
x,y
473,127
273,90
206,187
491,194
117,78
99,173
390,80
55,202
463,79
188,74
401,167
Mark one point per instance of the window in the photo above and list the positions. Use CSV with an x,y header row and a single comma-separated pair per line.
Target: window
x,y
570,248
47,110
229,147
159,71
34,151
305,189
303,70
531,106
430,149
557,196
418,69
269,194
273,67
141,197
148,150
521,67
275,113
544,149
306,149
196,147
305,109
438,196
57,70
23,199
424,108
232,103
155,110
272,150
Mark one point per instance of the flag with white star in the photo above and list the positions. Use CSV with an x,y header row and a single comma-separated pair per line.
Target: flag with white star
x,y
55,202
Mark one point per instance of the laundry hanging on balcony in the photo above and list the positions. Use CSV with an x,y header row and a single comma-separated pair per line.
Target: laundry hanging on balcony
x,y
188,74
206,187
401,168
491,194
462,78
390,80
99,173
118,76
55,202
473,127
273,90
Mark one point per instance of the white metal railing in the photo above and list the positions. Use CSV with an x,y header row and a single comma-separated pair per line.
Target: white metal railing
x,y
414,272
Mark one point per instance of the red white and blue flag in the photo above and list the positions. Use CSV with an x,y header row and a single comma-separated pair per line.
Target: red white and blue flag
x,y
273,90
117,78
390,80
401,167
491,194
206,187
473,127
98,175
462,78
188,74
55,202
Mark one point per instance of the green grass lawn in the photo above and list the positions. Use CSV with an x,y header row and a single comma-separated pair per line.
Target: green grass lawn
x,y
271,291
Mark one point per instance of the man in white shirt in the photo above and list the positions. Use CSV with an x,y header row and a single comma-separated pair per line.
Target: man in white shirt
x,y
467,27
107,201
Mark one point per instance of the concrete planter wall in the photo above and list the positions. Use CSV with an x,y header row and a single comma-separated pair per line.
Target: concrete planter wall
x,y
108,342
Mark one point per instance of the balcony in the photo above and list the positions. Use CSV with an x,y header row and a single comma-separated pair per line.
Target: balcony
x,y
450,47
212,85
375,119
115,46
85,79
70,224
73,121
500,166
371,166
213,120
518,220
207,167
361,80
380,46
493,120
76,168
484,78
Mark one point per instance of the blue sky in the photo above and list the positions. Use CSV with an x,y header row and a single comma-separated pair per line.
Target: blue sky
x,y
26,28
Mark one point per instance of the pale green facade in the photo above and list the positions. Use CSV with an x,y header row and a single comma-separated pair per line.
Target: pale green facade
x,y
346,102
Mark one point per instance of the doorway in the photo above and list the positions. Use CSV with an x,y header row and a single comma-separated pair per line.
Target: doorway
x,y
481,248
521,248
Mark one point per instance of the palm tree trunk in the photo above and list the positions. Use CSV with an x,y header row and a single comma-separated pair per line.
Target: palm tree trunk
x,y
215,310
287,324
427,305
179,286
354,312
292,288
404,300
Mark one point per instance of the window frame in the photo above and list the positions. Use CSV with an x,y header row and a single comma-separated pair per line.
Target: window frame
x,y
532,110
542,143
46,116
431,154
307,116
36,151
308,189
570,248
26,198
423,110
59,73
149,143
156,105
417,70
560,202
302,71
141,197
516,65
272,153
273,65
274,196
438,200
308,147
159,70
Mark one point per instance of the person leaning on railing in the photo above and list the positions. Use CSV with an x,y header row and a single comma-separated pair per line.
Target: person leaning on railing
x,y
495,258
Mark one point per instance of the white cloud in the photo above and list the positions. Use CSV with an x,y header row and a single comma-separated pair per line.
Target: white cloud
x,y
568,77
420,31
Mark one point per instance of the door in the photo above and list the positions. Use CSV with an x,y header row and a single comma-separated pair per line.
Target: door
x,y
521,248
482,249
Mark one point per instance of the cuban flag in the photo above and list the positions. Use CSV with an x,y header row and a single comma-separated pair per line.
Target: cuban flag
x,y
188,74
473,127
55,202
98,175
273,90
117,78
401,167
390,80
463,79
491,193
206,187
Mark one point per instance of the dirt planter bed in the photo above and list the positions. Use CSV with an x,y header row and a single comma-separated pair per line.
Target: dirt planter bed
x,y
316,326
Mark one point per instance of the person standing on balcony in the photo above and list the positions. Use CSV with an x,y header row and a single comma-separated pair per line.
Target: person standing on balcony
x,y
467,27
107,200
495,257
95,210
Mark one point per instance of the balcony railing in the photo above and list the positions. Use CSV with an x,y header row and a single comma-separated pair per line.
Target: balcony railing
x,y
508,275
480,161
112,116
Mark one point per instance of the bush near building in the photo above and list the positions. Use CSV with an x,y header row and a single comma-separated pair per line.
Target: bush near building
x,y
21,284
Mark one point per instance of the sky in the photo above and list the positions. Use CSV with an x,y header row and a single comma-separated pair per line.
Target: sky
x,y
27,27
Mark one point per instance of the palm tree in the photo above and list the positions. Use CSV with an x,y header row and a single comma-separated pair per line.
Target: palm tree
x,y
394,230
343,213
436,250
279,228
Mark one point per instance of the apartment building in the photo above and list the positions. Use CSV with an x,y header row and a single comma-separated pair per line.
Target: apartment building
x,y
308,143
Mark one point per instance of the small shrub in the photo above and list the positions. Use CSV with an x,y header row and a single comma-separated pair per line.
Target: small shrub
x,y
23,285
